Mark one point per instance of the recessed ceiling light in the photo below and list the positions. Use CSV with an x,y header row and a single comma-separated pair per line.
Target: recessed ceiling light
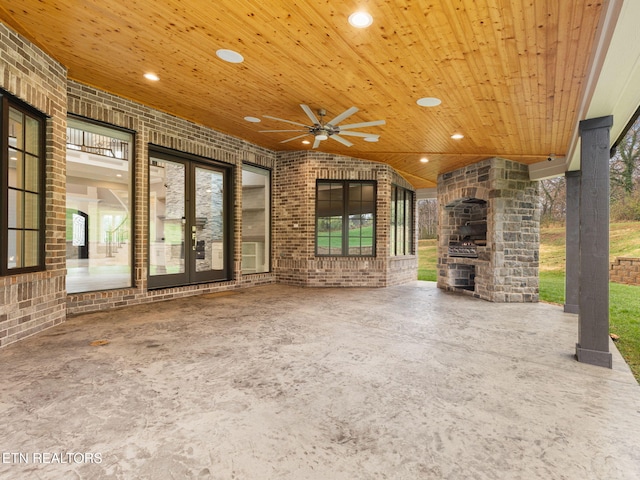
x,y
360,19
372,138
151,76
424,160
457,136
119,175
252,119
229,56
429,102
306,142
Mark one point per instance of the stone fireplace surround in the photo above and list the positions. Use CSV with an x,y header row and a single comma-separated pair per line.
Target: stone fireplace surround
x,y
496,191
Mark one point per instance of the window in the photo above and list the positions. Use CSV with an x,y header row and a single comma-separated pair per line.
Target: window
x,y
99,207
22,187
401,221
345,218
256,208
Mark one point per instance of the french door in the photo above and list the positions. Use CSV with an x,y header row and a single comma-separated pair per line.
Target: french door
x,y
188,221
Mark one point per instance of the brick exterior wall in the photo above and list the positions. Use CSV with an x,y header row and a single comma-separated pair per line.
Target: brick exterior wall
x,y
506,269
625,270
294,226
32,302
158,128
35,301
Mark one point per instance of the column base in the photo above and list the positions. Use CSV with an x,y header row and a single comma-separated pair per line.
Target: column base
x,y
594,357
571,308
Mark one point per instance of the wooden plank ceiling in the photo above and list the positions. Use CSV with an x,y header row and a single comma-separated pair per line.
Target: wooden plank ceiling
x,y
509,72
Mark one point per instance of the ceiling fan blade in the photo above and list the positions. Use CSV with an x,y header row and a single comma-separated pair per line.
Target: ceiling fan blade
x,y
341,140
310,114
316,142
295,138
358,134
287,121
275,131
364,124
342,116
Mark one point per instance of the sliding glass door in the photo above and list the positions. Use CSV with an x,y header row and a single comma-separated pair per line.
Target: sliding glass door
x,y
188,226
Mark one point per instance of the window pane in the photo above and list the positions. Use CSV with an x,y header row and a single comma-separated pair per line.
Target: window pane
x,y
32,142
14,259
16,169
31,210
99,209
16,120
167,217
31,173
256,207
209,227
31,251
16,209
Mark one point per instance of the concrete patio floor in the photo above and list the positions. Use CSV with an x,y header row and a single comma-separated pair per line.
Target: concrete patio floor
x,y
280,382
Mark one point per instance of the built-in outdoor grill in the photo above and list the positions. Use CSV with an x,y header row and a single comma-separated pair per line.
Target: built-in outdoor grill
x,y
473,234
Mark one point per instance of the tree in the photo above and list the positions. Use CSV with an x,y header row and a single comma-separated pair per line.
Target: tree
x,y
553,200
427,218
625,176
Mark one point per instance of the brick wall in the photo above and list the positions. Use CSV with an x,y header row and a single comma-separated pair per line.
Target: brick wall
x,y
36,301
154,127
32,302
625,270
294,226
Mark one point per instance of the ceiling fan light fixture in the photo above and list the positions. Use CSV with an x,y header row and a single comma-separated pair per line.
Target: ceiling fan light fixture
x,y
360,19
322,136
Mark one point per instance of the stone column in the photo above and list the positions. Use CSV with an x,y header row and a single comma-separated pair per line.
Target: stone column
x,y
593,317
572,235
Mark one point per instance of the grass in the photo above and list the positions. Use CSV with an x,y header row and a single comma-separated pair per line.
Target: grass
x,y
624,300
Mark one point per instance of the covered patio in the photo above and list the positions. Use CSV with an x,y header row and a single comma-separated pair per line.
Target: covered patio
x,y
283,382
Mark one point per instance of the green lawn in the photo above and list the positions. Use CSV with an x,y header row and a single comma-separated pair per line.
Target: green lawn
x,y
624,300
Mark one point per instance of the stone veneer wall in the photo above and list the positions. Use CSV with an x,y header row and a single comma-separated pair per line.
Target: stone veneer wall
x,y
32,302
295,262
506,270
625,270
158,128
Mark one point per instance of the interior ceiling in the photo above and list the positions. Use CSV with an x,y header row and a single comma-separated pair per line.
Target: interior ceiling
x,y
510,73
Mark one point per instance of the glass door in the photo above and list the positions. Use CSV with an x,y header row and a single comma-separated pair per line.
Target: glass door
x,y
187,222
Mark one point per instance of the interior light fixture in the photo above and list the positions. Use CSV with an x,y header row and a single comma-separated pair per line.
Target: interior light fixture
x,y
229,56
151,76
429,102
306,142
252,119
322,136
424,160
360,19
457,136
372,138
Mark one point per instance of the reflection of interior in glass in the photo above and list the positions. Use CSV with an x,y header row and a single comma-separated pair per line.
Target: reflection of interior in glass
x,y
256,206
99,207
166,217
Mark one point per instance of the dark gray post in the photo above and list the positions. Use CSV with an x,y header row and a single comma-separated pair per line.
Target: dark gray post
x,y
572,236
593,318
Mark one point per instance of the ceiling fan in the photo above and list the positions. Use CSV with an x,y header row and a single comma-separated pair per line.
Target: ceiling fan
x,y
322,130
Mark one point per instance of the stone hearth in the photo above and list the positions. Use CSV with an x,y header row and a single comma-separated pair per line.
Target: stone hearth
x,y
489,231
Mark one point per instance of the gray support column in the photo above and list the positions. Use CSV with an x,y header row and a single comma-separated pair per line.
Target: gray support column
x,y
593,318
572,235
